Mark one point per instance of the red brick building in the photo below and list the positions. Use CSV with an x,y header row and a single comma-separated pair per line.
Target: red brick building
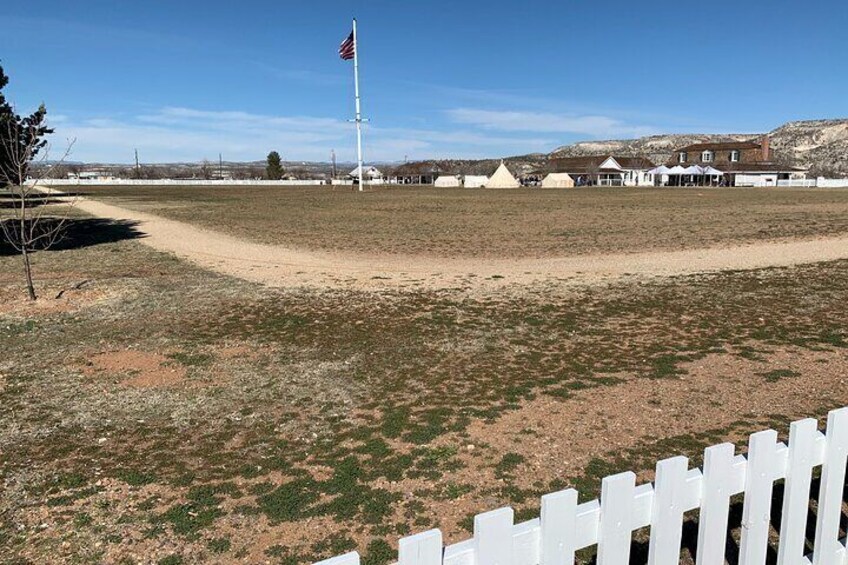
x,y
743,163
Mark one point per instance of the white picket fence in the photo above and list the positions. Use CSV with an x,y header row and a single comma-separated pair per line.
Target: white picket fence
x,y
819,182
175,182
566,526
798,183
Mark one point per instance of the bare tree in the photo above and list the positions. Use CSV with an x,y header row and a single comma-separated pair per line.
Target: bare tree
x,y
593,175
205,170
26,225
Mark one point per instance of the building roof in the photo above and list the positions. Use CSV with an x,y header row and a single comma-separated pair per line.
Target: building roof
x,y
369,170
419,168
758,167
720,146
635,162
592,164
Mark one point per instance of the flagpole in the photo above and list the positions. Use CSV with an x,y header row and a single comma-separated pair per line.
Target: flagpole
x,y
358,108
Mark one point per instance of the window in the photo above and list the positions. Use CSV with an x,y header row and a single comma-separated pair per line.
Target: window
x,y
734,156
707,156
682,157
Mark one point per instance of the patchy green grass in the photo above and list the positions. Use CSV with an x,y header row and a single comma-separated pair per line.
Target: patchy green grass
x,y
778,374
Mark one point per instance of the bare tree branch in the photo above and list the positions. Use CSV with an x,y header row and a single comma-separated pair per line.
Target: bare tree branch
x,y
33,223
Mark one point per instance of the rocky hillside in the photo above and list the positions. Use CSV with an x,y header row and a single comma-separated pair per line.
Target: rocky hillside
x,y
820,145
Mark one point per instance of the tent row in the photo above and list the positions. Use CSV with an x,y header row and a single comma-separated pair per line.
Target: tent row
x,y
694,170
502,178
679,175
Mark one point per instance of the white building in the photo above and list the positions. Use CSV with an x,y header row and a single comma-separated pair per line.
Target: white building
x,y
371,173
605,170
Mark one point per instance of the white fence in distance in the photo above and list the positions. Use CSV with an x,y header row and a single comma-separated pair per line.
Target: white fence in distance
x,y
742,180
177,182
822,182
819,182
799,183
566,526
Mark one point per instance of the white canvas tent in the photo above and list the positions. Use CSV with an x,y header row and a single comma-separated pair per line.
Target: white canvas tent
x,y
502,179
476,181
447,181
371,173
558,180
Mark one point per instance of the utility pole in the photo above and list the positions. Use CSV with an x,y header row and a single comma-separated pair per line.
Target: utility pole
x,y
137,166
333,159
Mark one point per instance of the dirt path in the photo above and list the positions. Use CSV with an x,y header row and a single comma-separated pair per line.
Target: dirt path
x,y
280,266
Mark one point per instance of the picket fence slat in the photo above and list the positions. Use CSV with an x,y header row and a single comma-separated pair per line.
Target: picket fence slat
x,y
564,526
827,548
756,510
616,527
421,549
559,528
493,536
716,490
793,520
668,508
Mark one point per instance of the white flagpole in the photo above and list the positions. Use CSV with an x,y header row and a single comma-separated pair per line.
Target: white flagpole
x,y
358,109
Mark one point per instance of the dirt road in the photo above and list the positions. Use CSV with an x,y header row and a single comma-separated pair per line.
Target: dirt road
x,y
280,266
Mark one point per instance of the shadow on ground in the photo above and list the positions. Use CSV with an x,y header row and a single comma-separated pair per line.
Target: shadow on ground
x,y
81,233
7,202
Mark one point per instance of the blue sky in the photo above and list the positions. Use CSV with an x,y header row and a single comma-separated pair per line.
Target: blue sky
x,y
183,81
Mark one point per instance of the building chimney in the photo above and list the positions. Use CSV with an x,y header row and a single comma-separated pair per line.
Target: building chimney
x,y
764,145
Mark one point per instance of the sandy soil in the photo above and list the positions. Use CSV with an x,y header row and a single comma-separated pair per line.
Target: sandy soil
x,y
280,266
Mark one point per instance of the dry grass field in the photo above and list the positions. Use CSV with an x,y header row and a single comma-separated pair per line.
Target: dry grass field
x,y
485,223
162,413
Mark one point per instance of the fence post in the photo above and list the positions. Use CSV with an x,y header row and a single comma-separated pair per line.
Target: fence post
x,y
421,549
796,493
667,511
559,528
759,483
715,504
493,537
615,530
827,549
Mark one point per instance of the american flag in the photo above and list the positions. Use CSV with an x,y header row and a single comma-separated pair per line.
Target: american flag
x,y
348,48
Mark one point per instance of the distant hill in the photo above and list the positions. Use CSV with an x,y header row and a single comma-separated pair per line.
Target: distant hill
x,y
821,145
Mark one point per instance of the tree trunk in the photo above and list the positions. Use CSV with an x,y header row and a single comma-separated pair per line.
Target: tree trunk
x,y
28,273
25,249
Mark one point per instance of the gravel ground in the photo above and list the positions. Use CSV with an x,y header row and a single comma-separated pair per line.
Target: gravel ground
x,y
281,266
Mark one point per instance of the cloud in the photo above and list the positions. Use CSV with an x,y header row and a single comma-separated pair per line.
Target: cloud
x,y
541,122
186,134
